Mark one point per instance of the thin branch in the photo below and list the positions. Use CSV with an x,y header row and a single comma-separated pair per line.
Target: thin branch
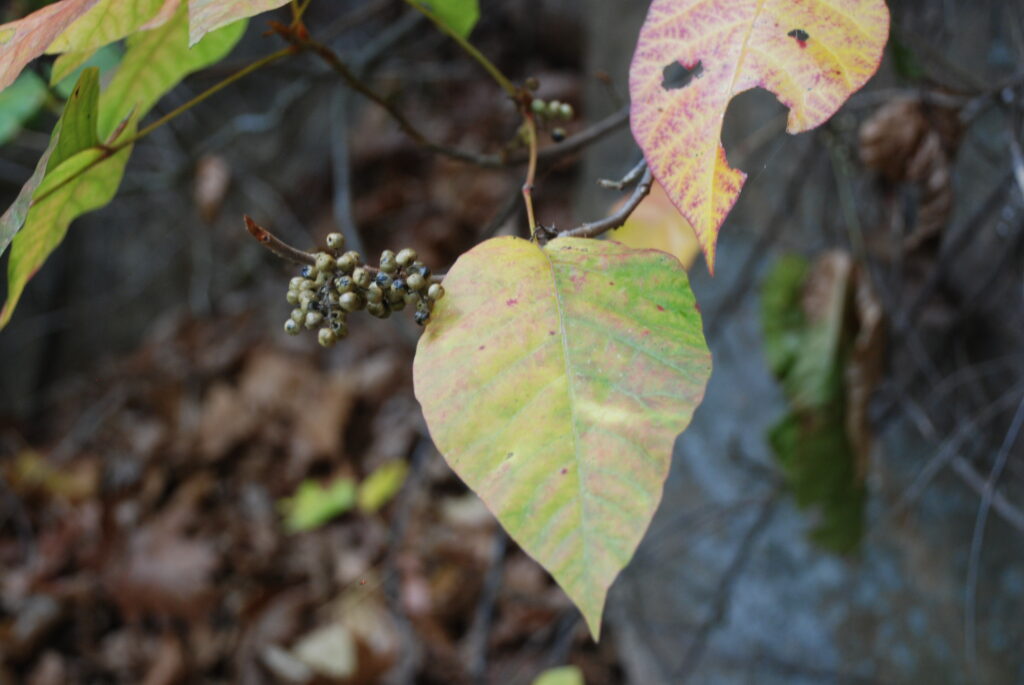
x,y
596,228
468,47
531,172
629,179
971,590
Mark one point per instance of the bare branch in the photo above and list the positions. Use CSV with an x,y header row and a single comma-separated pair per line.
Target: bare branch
x,y
627,180
596,228
276,245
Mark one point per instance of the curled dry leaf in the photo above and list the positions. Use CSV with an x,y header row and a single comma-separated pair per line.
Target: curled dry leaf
x,y
906,141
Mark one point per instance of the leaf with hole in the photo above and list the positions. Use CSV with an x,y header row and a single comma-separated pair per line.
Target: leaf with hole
x,y
693,56
555,381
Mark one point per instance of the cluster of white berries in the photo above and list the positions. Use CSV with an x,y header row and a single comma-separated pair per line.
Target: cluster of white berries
x,y
548,113
325,293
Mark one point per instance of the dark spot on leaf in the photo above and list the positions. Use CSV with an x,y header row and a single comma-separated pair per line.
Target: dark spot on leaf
x,y
696,305
511,302
660,308
676,75
801,36
565,471
611,282
509,455
481,347
551,332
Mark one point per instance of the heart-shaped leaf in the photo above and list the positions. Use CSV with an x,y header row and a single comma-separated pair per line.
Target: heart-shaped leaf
x,y
813,54
555,382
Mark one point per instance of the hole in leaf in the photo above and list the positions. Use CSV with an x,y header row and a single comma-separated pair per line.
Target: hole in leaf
x,y
675,75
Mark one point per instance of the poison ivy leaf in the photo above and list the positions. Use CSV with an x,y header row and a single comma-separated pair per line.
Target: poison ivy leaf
x,y
207,15
458,15
105,22
156,60
555,382
78,121
656,225
563,675
693,56
380,486
314,504
19,103
23,40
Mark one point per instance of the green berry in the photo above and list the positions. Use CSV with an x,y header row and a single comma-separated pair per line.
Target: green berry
x,y
343,284
306,298
387,262
325,262
326,337
361,277
411,298
313,319
565,111
379,309
405,257
415,281
296,283
292,297
346,263
554,107
374,293
298,316
531,83
291,328
539,106
350,302
435,291
357,259
335,241
306,284
397,304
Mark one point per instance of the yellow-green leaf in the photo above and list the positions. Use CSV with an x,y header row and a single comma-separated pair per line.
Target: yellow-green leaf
x,y
105,22
208,15
23,40
383,484
314,504
156,61
812,54
555,381
563,675
657,225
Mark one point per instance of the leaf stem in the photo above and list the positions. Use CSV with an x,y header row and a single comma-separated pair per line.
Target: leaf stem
x,y
111,148
468,47
531,171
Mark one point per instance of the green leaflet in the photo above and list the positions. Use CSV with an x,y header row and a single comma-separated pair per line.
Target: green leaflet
x,y
155,62
555,381
19,102
458,15
78,121
67,68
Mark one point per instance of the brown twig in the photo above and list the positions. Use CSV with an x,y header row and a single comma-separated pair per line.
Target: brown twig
x,y
276,245
596,228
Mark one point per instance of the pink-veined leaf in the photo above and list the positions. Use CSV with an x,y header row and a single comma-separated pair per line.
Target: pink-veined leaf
x,y
812,54
207,15
23,40
555,381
